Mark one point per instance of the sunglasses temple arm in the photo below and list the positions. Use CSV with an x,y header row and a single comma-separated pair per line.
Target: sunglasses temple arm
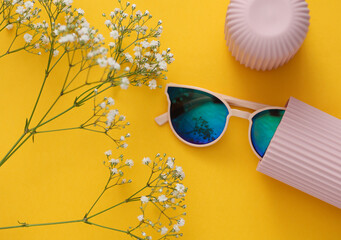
x,y
243,103
162,119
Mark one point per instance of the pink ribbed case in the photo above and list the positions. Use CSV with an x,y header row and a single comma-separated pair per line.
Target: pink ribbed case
x,y
305,152
265,34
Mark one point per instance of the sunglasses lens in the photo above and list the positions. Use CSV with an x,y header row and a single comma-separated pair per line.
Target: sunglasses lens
x,y
264,126
196,116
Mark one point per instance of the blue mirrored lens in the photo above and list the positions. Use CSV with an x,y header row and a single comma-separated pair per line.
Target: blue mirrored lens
x,y
264,126
197,117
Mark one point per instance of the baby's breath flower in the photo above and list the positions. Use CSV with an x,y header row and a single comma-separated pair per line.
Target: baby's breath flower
x,y
102,105
80,11
180,188
181,222
114,34
114,171
9,26
114,161
28,37
152,84
144,199
162,198
108,153
176,228
140,218
111,101
146,160
164,230
124,83
129,162
170,163
55,53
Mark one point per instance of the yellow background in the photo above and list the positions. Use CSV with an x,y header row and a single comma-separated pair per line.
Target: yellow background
x,y
60,175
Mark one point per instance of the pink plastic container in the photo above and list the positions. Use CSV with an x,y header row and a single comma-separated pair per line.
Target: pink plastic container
x,y
305,152
265,34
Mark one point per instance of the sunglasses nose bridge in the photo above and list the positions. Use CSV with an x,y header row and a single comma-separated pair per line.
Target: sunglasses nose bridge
x,y
240,114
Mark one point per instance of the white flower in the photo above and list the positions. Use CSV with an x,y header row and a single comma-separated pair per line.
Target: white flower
x,y
144,199
62,28
84,38
112,14
124,83
145,44
114,161
28,4
162,198
107,22
102,105
130,163
152,84
146,12
114,34
113,64
112,44
80,11
67,2
180,188
154,43
133,6
164,230
140,218
28,37
114,171
100,37
127,69
170,163
67,38
163,65
102,62
159,22
129,57
176,228
180,172
111,101
138,13
158,57
20,10
108,153
55,53
181,222
9,26
146,160
116,10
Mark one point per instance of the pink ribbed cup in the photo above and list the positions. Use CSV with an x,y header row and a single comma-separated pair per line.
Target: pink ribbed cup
x,y
265,34
305,152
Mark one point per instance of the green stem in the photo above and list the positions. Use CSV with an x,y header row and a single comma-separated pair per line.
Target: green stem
x,y
4,159
14,148
105,188
40,224
114,229
47,72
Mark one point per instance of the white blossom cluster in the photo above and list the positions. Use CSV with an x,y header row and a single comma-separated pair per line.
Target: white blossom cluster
x,y
162,199
141,61
166,194
106,119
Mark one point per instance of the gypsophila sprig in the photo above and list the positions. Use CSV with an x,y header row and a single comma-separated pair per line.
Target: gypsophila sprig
x,y
161,199
61,34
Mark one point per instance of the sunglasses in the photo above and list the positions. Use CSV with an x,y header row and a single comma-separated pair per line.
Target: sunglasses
x,y
199,117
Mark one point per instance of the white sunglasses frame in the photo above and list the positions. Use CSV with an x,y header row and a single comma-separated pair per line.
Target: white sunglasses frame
x,y
228,102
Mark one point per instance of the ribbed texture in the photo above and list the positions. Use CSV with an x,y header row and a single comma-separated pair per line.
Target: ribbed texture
x,y
305,152
260,45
